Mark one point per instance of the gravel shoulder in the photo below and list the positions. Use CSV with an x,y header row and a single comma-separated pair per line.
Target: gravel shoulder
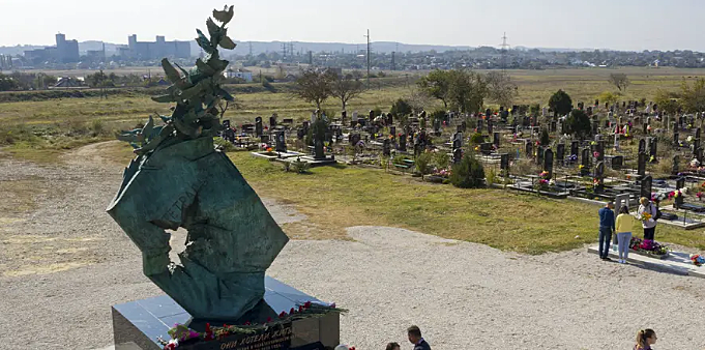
x,y
76,263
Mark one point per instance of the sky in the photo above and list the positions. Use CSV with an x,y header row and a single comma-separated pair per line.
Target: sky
x,y
587,24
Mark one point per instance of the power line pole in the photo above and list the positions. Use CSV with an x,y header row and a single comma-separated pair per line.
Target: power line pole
x,y
368,57
504,53
250,48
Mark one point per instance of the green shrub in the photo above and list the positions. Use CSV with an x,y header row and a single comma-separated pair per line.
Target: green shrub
x,y
442,159
477,138
545,139
399,159
401,107
468,173
223,144
422,162
300,167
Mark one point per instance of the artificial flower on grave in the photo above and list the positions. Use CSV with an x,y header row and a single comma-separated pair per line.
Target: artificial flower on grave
x,y
552,182
629,177
596,181
543,182
694,163
652,159
699,195
689,139
593,143
269,149
573,157
581,167
697,259
544,174
596,154
477,148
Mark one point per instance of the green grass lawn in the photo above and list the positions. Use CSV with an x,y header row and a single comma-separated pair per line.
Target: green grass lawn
x,y
339,197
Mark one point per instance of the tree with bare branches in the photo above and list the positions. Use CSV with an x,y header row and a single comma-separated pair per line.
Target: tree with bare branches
x,y
347,87
619,80
314,86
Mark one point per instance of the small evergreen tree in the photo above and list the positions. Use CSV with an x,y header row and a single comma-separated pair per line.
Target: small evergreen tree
x,y
468,173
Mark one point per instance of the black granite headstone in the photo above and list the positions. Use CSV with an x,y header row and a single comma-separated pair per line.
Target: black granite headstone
x,y
646,183
675,166
678,200
402,142
280,138
574,145
560,153
642,146
529,149
258,127
617,162
386,148
504,162
548,162
496,139
641,166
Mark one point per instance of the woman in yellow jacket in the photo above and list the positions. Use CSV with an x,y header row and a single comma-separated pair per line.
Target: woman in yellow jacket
x,y
624,225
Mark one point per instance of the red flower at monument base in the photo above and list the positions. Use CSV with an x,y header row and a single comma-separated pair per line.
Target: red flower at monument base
x,y
292,311
301,308
283,314
307,305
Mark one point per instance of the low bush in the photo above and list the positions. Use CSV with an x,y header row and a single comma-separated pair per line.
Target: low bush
x,y
468,173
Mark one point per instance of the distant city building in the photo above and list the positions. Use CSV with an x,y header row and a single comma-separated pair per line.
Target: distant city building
x,y
96,55
65,51
153,50
243,74
5,62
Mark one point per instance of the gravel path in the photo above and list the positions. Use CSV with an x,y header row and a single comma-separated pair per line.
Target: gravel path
x,y
462,295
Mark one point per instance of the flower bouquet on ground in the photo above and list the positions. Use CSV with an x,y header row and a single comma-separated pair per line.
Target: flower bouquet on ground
x,y
697,259
649,248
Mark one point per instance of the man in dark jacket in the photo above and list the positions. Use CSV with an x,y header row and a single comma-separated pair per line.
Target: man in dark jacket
x,y
606,229
416,339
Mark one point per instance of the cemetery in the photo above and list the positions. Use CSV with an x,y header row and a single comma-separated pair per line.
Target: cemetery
x,y
283,231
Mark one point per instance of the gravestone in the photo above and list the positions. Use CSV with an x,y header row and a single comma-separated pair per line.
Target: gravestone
x,y
272,122
599,175
574,145
653,144
553,126
676,138
621,200
548,163
696,145
645,190
595,127
386,148
280,139
393,131
600,149
560,153
504,163
490,126
264,139
617,162
675,165
641,166
642,146
226,124
354,120
402,142
539,154
529,149
390,119
306,126
678,201
479,125
586,159
457,155
437,126
354,139
697,133
300,134
371,116
258,127
343,117
496,139
464,126
645,128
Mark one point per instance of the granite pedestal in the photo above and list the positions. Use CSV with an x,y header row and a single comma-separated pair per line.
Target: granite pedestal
x,y
138,325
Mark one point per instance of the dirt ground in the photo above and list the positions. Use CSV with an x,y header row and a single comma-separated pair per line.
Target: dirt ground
x,y
64,262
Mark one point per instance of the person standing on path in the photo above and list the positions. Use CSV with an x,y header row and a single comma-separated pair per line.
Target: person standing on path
x,y
415,338
606,228
644,339
624,225
647,214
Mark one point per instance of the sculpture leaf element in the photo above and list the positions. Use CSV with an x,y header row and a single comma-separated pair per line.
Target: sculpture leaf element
x,y
227,43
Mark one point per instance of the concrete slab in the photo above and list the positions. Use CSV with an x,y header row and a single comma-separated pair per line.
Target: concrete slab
x,y
677,263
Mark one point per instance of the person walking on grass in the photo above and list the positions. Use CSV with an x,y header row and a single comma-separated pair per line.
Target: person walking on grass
x,y
648,216
624,224
606,229
644,339
415,338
